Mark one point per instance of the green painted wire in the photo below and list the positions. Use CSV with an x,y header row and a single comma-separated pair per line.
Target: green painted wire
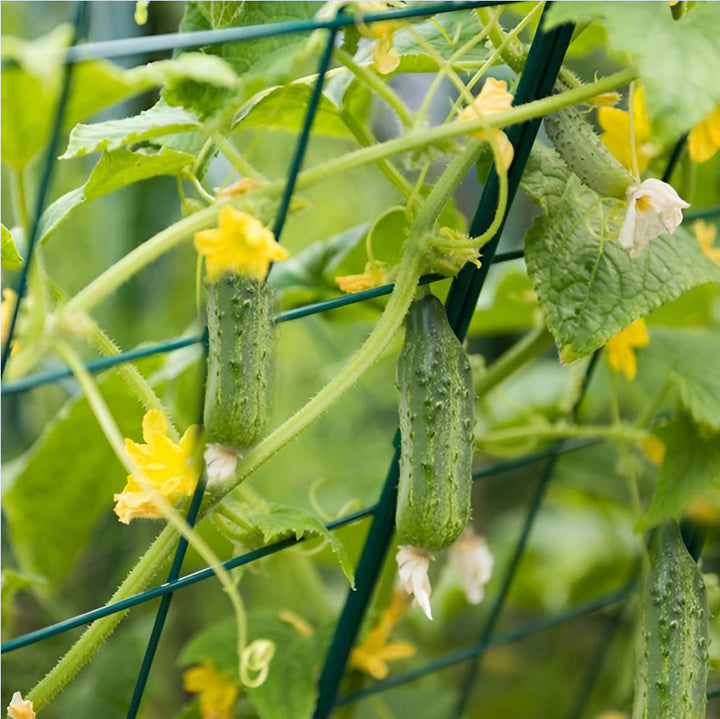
x,y
461,302
247,558
103,363
79,25
168,587
205,38
463,655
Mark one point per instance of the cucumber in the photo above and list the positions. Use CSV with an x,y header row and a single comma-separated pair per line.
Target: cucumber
x,y
436,426
672,659
240,360
584,153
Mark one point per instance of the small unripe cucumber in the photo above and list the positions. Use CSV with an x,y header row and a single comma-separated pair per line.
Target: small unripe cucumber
x,y
672,659
436,426
240,360
584,153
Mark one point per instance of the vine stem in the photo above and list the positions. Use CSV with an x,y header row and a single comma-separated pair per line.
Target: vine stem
x,y
158,554
121,271
621,432
367,76
110,429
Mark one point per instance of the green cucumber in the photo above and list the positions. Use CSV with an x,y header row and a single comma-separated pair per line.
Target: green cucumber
x,y
436,425
672,658
240,360
584,153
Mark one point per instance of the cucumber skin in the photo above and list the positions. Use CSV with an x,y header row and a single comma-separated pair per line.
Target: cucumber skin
x,y
240,364
671,676
436,426
584,153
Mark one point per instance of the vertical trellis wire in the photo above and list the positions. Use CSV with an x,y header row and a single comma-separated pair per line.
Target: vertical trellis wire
x,y
544,60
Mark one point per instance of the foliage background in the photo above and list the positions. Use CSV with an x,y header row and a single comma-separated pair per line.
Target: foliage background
x,y
582,545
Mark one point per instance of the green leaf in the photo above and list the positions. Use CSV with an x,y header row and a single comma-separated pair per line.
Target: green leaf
x,y
590,289
286,107
280,522
691,465
275,522
677,59
688,358
114,170
445,34
11,259
291,685
111,135
31,81
260,63
65,482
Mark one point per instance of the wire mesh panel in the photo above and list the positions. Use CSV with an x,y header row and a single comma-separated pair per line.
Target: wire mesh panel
x,y
336,688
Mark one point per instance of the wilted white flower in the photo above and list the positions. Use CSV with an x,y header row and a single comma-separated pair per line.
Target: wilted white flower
x,y
413,567
474,563
220,462
653,208
20,708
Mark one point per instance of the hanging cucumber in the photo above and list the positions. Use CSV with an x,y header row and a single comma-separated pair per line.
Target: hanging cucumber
x,y
240,360
584,153
436,425
672,656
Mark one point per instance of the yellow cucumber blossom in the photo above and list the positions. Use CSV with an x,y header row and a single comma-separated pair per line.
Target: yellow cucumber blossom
x,y
653,208
704,138
616,135
20,708
705,234
654,449
374,653
620,348
171,469
141,11
7,307
375,275
473,561
413,565
385,56
216,690
240,245
493,98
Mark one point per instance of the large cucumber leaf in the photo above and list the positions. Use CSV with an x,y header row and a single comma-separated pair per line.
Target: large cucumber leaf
x,y
589,287
115,169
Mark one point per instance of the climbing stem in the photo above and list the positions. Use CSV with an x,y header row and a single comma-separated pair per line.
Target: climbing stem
x,y
619,432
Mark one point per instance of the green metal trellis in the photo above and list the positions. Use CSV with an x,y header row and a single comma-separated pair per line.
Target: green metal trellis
x,y
544,61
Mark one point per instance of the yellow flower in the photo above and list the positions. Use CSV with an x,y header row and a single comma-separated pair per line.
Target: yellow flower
x,y
493,98
7,307
620,354
242,187
374,276
172,469
704,138
373,654
217,691
385,57
20,708
141,11
240,245
654,449
705,234
616,135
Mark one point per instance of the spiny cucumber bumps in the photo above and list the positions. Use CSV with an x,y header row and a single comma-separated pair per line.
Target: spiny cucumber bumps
x,y
240,360
436,424
584,153
671,675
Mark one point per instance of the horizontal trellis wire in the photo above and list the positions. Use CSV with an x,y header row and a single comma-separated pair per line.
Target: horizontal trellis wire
x,y
544,60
